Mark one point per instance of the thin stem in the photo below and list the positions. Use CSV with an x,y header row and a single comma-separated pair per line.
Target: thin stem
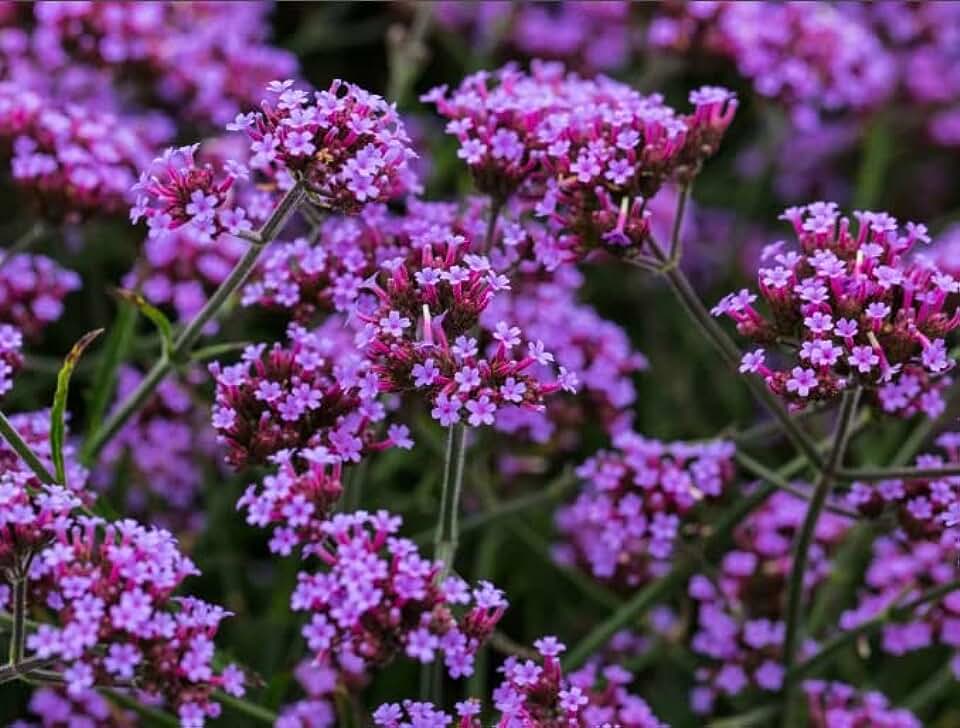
x,y
354,491
447,535
875,474
155,715
755,467
757,716
18,635
930,689
731,355
24,242
188,337
23,668
511,507
246,708
10,434
678,222
496,205
801,549
891,614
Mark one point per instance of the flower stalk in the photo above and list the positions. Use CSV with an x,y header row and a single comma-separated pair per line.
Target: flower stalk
x,y
801,550
183,344
448,530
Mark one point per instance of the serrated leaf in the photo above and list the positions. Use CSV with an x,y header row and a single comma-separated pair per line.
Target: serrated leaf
x,y
156,316
57,414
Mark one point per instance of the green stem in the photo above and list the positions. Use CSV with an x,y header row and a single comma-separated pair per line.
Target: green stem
x,y
512,507
930,689
757,716
875,474
678,221
155,715
728,351
447,534
18,635
876,157
10,434
188,337
24,242
755,467
246,708
891,614
801,549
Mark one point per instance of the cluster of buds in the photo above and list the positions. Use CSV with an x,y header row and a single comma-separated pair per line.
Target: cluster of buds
x,y
206,61
73,162
347,145
421,336
178,190
923,506
312,392
832,704
580,340
11,356
850,308
377,597
164,445
539,696
32,290
109,588
903,569
740,628
624,524
589,153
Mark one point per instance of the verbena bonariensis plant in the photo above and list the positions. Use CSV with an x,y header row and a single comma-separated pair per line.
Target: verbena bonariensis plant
x,y
371,311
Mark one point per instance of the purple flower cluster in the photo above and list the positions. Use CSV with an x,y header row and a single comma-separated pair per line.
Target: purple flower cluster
x,y
624,524
539,696
315,710
924,507
305,277
34,429
297,499
56,708
422,336
598,350
11,356
309,394
32,290
377,597
72,161
901,570
831,704
206,61
851,310
739,624
347,145
109,588
810,57
177,190
587,153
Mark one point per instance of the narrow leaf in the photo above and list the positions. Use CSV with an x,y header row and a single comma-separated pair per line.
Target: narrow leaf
x,y
153,313
57,415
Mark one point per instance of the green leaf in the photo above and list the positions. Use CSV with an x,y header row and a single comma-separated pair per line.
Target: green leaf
x,y
154,314
115,349
57,415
